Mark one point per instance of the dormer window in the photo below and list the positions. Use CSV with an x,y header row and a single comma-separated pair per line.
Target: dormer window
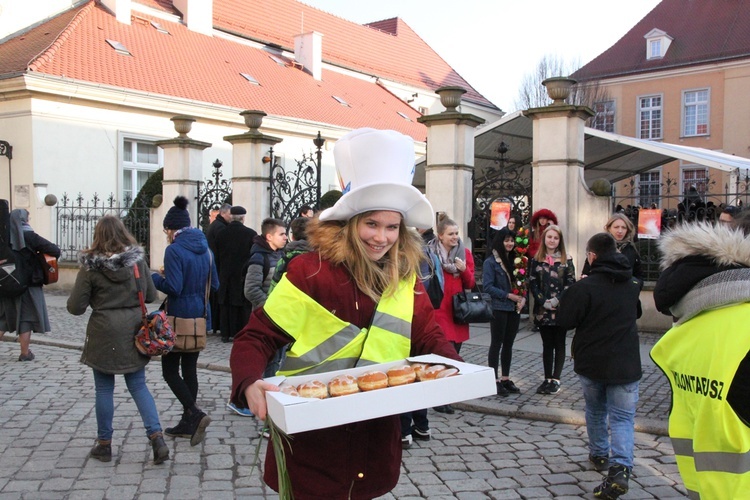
x,y
657,44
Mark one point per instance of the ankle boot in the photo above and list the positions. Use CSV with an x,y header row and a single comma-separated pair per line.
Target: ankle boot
x,y
182,429
102,450
198,421
161,451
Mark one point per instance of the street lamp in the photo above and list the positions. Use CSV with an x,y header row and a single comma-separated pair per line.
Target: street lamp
x,y
7,150
319,142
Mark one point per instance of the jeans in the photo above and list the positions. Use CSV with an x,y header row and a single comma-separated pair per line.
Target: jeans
x,y
419,417
185,387
104,384
503,330
614,403
553,350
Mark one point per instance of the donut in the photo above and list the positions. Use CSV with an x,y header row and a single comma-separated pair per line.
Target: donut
x,y
342,385
289,389
401,375
313,389
448,372
372,380
418,367
431,372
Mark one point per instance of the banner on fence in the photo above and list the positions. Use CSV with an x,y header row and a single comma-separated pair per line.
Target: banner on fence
x,y
649,223
500,214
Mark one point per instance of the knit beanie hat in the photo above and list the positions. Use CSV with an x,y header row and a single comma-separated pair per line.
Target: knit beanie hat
x,y
177,217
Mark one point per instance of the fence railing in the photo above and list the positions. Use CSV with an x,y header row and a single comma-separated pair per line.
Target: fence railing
x,y
694,207
76,220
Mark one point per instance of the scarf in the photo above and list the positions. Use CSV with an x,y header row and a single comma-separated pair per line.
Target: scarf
x,y
551,258
448,257
19,222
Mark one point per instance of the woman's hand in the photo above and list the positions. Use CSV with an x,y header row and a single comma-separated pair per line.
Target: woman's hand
x,y
256,397
520,304
460,265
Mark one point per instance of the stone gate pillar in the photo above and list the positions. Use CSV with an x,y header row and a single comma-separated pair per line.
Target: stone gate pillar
x,y
558,161
183,171
450,159
250,176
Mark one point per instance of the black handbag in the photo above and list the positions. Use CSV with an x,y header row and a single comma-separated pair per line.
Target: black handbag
x,y
472,307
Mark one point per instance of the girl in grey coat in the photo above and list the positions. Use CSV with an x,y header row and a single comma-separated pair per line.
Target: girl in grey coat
x,y
107,283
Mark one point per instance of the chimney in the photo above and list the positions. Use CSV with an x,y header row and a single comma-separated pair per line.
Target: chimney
x,y
308,51
121,8
198,15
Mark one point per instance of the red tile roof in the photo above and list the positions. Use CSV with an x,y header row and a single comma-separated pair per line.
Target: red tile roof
x,y
702,30
389,49
197,67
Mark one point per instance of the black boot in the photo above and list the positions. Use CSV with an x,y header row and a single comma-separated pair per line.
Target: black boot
x,y
102,451
182,429
197,422
161,451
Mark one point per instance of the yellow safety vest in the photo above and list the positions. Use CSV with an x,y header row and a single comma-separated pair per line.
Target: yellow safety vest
x,y
324,342
711,443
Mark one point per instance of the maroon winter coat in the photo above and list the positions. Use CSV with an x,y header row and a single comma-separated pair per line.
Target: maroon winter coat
x,y
454,284
363,458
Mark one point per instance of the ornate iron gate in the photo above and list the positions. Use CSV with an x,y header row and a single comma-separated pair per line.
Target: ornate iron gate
x,y
509,182
212,194
290,191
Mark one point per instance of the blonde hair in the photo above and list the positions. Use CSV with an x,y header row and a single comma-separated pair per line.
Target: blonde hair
x,y
444,222
339,243
628,224
541,253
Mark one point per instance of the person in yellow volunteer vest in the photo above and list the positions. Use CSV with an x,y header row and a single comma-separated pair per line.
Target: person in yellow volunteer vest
x,y
355,299
705,287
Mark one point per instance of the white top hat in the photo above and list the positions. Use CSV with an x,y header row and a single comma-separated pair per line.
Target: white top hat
x,y
375,169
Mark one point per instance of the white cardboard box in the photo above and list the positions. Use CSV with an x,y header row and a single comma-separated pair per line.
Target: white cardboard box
x,y
294,414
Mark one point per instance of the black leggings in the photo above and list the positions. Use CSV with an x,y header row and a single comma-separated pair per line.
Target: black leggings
x,y
503,330
185,387
553,348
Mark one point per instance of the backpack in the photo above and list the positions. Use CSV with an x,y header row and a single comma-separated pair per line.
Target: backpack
x,y
282,264
15,271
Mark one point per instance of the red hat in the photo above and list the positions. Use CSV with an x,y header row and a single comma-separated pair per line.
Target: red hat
x,y
543,212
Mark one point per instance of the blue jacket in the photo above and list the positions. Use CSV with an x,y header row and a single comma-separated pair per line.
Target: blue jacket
x,y
186,263
496,282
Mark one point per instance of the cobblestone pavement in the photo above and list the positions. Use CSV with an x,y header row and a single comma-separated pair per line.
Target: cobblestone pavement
x,y
485,450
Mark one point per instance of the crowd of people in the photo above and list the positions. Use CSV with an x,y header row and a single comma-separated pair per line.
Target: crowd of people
x,y
362,260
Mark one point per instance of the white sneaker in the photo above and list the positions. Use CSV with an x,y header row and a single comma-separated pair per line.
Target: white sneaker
x,y
406,441
244,412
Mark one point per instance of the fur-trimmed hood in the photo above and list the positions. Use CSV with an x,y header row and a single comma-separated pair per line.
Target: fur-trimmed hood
x,y
543,212
697,257
722,245
117,267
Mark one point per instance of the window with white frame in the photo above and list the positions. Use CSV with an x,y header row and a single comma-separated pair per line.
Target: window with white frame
x,y
694,176
650,116
649,189
140,159
604,119
695,112
655,46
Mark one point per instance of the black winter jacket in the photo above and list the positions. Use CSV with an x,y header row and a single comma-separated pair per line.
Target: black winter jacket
x,y
603,309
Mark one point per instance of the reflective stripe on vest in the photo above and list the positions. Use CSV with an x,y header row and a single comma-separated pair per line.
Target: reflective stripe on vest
x,y
711,443
323,342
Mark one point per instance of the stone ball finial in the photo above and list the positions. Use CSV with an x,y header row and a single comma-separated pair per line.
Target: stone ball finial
x,y
450,97
559,88
50,200
182,125
601,187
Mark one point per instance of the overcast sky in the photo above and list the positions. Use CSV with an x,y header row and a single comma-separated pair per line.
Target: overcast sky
x,y
492,44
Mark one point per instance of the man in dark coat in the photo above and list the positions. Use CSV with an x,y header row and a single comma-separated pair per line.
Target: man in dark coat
x,y
217,225
603,308
233,246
